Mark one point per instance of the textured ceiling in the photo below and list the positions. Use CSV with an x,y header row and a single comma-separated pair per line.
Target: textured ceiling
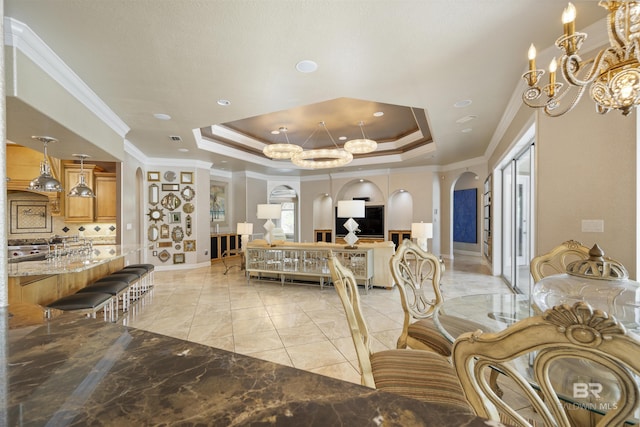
x,y
180,57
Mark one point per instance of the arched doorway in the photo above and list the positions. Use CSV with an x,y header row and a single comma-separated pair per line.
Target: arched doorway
x,y
288,199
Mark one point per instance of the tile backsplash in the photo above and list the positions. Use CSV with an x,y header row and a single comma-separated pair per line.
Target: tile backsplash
x,y
29,218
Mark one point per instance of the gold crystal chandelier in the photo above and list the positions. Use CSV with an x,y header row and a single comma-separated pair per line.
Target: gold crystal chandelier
x,y
613,75
320,158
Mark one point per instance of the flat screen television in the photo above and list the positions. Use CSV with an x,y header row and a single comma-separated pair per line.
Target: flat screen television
x,y
372,225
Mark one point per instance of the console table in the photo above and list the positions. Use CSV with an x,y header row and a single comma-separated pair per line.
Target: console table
x,y
301,261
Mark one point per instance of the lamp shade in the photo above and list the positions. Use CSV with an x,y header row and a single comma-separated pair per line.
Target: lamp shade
x,y
269,211
351,209
244,228
422,230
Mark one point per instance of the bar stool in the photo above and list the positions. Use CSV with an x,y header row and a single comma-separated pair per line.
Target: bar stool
x,y
119,289
148,277
142,275
131,278
87,302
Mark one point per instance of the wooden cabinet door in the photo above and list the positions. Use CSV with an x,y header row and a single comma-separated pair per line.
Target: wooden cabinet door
x,y
77,209
105,202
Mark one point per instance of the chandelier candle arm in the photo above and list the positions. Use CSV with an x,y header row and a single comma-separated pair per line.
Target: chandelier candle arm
x,y
613,75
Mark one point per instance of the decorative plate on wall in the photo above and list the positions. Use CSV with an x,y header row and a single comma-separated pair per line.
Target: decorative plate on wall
x,y
170,176
188,208
164,255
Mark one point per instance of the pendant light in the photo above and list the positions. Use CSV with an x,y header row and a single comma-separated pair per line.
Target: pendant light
x,y
45,181
81,189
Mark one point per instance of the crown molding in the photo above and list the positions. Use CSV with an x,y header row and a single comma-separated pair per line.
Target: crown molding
x,y
21,37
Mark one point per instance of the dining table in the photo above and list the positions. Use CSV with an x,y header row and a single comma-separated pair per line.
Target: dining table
x,y
72,370
497,311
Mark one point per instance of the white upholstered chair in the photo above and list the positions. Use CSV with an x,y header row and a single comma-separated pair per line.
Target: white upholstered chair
x,y
417,274
421,375
578,336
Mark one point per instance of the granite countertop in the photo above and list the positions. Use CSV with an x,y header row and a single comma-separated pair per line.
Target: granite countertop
x,y
79,371
100,255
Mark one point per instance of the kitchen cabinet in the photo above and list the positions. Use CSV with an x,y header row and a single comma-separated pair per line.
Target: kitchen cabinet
x,y
77,209
102,208
105,207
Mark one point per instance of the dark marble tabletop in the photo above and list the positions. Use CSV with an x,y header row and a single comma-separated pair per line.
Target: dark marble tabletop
x,y
79,371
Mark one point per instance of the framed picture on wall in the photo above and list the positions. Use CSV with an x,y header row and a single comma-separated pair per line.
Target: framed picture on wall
x,y
218,202
153,176
186,177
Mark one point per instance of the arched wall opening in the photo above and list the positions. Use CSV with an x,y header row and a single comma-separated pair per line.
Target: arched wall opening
x,y
465,211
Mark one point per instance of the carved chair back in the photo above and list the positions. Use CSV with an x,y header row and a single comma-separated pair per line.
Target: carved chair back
x,y
556,260
575,339
347,288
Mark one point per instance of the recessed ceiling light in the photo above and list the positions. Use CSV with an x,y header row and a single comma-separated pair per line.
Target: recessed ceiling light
x,y
463,103
342,138
275,132
224,102
223,161
306,66
378,114
184,150
467,130
162,116
466,119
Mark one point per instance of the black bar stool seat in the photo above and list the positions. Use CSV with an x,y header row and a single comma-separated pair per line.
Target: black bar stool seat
x,y
87,302
117,288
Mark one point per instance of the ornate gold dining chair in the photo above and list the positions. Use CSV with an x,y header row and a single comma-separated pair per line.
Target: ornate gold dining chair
x,y
556,260
422,375
417,274
578,337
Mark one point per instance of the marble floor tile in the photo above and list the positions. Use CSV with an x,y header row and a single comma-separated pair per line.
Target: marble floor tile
x,y
294,325
315,355
256,342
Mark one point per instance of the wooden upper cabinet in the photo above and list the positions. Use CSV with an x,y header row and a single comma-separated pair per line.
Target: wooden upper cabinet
x,y
105,209
77,209
102,208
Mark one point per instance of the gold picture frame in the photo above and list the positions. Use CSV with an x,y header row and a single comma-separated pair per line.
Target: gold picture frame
x,y
153,176
186,177
178,258
189,245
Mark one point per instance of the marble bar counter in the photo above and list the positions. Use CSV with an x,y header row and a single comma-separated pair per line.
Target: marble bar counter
x,y
42,282
79,371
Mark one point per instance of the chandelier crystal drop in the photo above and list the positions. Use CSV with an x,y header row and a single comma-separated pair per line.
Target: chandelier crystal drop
x,y
612,76
361,145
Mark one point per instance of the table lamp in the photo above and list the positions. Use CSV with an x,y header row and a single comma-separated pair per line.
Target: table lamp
x,y
351,209
244,229
269,212
422,231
